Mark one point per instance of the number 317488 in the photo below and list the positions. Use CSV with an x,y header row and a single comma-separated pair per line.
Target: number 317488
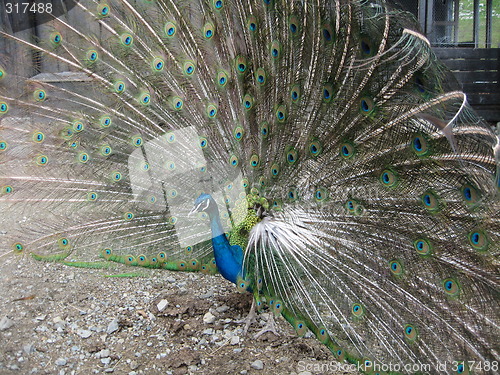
x,y
31,7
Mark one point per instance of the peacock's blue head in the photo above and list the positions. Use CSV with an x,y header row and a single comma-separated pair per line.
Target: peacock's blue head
x,y
204,203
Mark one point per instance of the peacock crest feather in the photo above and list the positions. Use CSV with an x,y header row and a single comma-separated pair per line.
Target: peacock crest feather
x,y
312,152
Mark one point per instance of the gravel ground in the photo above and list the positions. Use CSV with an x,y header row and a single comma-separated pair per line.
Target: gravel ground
x,y
56,319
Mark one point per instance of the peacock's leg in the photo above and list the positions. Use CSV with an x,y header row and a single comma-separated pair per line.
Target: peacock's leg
x,y
250,318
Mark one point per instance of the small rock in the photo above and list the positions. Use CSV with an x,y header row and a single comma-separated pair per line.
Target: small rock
x,y
109,370
29,348
104,353
235,340
61,362
222,308
41,317
305,373
309,335
209,318
59,322
257,364
162,304
207,295
208,331
84,333
113,326
171,279
134,365
41,328
5,323
106,361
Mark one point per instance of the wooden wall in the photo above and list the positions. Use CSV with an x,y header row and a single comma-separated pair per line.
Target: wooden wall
x,y
478,72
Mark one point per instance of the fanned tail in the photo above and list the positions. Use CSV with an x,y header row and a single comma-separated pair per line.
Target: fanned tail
x,y
359,182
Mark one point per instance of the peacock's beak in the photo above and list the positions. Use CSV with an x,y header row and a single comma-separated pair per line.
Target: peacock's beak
x,y
195,209
199,208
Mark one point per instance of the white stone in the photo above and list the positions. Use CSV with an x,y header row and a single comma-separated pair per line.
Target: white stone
x,y
257,364
209,318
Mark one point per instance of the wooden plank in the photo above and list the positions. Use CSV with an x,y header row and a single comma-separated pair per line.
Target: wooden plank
x,y
478,99
488,88
80,20
490,115
43,33
16,58
472,65
474,76
463,53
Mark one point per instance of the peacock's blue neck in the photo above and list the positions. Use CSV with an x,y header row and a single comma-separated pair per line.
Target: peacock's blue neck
x,y
229,259
215,224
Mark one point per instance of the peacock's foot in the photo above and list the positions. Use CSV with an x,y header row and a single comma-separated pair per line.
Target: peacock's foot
x,y
249,319
269,327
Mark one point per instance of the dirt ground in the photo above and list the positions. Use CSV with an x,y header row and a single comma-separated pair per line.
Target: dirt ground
x,y
56,319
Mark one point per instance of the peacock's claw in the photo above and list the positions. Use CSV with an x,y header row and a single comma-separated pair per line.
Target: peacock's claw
x,y
251,318
269,327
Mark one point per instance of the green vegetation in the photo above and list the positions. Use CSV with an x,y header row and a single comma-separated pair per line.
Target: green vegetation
x,y
466,30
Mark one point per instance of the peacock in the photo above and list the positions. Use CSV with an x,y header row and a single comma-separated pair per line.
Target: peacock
x,y
313,152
